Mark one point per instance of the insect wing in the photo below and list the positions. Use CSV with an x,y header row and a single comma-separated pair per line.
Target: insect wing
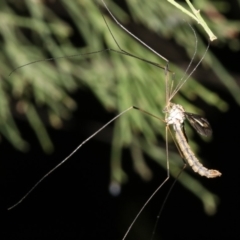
x,y
201,124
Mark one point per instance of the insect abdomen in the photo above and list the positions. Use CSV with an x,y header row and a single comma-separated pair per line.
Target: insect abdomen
x,y
190,157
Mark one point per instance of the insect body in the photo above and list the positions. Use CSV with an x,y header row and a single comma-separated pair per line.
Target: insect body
x,y
176,117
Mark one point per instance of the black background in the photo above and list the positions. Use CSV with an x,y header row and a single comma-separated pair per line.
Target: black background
x,y
74,202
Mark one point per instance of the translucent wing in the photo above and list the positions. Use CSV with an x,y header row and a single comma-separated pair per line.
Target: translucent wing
x,y
201,124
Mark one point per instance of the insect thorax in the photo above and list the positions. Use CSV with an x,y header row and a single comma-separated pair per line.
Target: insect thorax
x,y
175,114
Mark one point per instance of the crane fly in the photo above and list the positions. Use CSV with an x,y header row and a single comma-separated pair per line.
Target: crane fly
x,y
174,115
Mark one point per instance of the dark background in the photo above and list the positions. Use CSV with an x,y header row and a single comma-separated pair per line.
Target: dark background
x,y
74,202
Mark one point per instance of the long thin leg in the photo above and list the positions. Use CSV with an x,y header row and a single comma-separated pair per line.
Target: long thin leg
x,y
78,147
173,184
154,193
132,35
121,51
166,198
145,204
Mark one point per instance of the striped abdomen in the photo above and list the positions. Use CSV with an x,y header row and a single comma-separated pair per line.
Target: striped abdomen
x,y
190,157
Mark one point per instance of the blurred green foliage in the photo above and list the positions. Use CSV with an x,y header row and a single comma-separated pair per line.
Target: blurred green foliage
x,y
38,29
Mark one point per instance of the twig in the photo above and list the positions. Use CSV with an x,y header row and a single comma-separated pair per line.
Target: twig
x,y
196,16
